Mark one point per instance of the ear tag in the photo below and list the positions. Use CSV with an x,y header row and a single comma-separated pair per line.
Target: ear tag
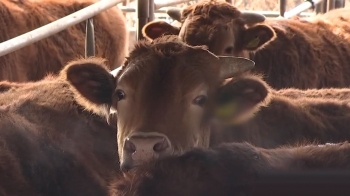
x,y
254,43
225,111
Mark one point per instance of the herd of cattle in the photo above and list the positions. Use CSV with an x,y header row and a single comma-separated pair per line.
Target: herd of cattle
x,y
201,109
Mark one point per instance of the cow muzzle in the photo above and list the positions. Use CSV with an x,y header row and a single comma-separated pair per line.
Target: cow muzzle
x,y
141,147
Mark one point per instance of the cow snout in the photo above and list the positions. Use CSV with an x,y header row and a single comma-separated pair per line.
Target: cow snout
x,y
142,147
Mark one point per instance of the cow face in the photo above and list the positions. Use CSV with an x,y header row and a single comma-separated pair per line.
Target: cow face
x,y
162,95
218,25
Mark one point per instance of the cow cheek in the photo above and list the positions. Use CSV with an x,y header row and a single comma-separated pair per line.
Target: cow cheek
x,y
192,118
124,124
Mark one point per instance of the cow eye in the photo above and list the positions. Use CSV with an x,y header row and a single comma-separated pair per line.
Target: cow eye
x,y
120,94
200,100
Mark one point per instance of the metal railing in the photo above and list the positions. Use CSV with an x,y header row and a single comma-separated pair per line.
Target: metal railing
x,y
56,26
320,6
145,10
90,38
301,8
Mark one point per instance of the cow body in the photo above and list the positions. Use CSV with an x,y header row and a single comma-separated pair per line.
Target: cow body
x,y
50,143
241,169
299,53
49,55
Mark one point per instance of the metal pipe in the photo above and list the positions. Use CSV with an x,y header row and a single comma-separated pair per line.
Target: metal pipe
x,y
301,8
330,5
282,7
167,4
339,3
90,38
151,10
272,14
142,16
324,6
130,9
56,26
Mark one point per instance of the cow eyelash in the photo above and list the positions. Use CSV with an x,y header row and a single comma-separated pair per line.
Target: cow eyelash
x,y
120,94
200,100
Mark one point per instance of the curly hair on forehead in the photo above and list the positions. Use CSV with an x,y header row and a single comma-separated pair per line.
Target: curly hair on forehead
x,y
212,9
165,45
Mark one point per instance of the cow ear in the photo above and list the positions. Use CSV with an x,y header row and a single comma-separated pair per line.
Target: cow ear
x,y
91,78
240,97
156,29
257,36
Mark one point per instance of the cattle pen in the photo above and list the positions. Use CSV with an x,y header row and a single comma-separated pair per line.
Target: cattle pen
x,y
145,11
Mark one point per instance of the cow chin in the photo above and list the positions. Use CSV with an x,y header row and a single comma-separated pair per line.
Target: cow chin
x,y
141,147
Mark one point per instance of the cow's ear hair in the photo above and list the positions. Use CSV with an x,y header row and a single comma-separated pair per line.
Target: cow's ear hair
x,y
91,78
156,29
241,97
256,37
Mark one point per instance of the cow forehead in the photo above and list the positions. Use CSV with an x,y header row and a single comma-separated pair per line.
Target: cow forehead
x,y
197,31
165,74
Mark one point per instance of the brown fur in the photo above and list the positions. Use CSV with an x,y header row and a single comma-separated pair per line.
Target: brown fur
x,y
152,72
324,93
49,55
50,144
273,119
160,79
307,53
239,169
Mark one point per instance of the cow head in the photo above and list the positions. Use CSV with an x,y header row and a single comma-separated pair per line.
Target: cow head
x,y
163,96
218,25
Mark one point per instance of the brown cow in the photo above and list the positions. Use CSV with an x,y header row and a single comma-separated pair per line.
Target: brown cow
x,y
304,53
166,92
50,143
49,55
242,169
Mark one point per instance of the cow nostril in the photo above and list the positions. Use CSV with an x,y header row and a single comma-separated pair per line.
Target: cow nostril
x,y
129,146
125,167
161,145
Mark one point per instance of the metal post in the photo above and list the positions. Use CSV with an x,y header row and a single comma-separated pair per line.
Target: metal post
x,y
89,38
321,7
151,10
330,5
301,8
56,26
282,7
142,15
125,3
339,3
169,3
